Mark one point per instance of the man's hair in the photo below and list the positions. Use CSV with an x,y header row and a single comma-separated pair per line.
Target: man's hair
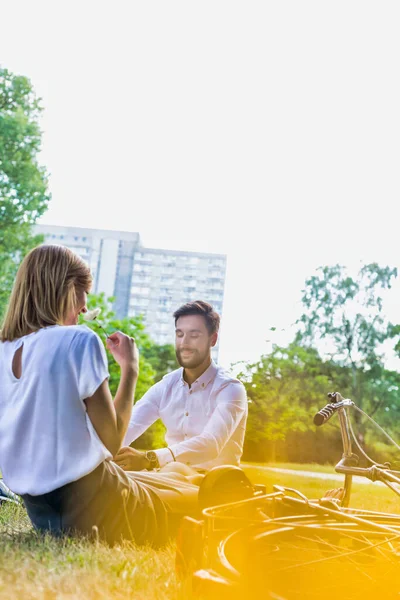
x,y
198,307
44,290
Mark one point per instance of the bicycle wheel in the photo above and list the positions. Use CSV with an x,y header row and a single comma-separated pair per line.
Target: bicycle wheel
x,y
315,560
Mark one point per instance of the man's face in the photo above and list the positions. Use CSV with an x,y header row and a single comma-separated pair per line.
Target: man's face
x,y
192,341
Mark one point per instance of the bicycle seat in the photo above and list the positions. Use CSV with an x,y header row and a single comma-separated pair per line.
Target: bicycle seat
x,y
224,484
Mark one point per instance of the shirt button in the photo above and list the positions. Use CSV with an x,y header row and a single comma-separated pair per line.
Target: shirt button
x,y
186,414
190,391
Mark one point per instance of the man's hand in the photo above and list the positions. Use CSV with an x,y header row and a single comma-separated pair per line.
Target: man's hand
x,y
130,459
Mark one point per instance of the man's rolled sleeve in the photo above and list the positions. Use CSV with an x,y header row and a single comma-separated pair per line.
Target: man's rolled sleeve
x,y
164,456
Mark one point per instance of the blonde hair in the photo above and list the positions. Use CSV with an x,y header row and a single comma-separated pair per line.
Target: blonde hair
x,y
44,290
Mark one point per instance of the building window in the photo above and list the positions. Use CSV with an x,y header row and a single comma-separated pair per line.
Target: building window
x,y
139,301
164,302
143,291
162,315
140,268
217,262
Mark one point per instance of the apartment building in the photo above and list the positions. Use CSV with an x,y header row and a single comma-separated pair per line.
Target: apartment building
x,y
165,279
148,281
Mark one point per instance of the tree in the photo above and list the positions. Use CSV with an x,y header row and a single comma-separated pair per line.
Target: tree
x,y
151,358
289,385
285,389
107,323
345,315
162,359
338,347
23,182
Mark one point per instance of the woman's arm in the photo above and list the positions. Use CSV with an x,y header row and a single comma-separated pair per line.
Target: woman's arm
x,y
111,418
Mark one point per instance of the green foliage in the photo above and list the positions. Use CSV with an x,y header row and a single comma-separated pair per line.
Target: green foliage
x,y
132,326
285,388
345,315
347,312
281,386
23,182
289,385
162,359
154,360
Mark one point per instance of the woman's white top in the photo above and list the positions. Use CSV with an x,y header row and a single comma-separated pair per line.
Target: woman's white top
x,y
46,437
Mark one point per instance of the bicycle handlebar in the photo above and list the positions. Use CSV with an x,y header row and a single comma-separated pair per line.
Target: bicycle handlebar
x,y
348,463
329,410
325,414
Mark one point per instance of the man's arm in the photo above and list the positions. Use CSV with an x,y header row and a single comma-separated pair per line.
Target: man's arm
x,y
232,405
144,413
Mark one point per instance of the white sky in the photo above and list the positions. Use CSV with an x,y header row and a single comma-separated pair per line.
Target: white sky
x,y
269,131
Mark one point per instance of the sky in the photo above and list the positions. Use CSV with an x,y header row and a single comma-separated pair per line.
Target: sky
x,y
265,130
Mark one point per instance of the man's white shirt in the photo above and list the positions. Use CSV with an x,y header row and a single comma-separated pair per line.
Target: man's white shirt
x,y
205,423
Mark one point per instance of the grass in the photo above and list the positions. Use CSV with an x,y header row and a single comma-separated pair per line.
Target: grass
x,y
298,467
39,567
34,566
372,496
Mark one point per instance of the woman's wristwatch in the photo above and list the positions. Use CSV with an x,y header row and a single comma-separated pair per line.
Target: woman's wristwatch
x,y
153,460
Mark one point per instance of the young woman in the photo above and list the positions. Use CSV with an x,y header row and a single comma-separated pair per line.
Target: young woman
x,y
59,426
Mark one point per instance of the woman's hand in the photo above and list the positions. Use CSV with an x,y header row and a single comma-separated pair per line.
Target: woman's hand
x,y
130,459
124,350
109,417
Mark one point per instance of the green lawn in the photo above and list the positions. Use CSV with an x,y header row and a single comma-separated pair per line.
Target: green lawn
x,y
37,567
298,467
41,568
372,496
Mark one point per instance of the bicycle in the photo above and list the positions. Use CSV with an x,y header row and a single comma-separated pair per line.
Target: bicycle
x,y
286,546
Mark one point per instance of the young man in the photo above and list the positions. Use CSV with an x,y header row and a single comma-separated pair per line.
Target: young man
x,y
203,408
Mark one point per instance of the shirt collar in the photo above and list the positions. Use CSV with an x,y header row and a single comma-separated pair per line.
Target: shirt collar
x,y
204,379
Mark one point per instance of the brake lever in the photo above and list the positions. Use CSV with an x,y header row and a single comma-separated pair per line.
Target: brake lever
x,y
283,489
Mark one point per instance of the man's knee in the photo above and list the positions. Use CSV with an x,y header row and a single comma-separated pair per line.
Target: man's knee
x,y
195,479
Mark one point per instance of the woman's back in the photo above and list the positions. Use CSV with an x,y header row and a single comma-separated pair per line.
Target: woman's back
x,y
46,437
59,424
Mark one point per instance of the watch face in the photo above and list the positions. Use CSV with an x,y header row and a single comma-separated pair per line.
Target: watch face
x,y
153,459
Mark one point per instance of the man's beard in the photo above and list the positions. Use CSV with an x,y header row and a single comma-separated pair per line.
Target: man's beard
x,y
192,361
